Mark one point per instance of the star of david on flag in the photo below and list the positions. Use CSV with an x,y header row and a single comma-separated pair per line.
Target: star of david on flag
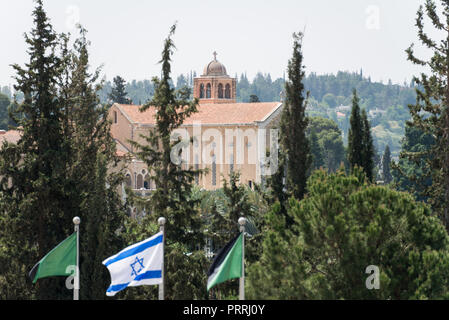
x,y
136,265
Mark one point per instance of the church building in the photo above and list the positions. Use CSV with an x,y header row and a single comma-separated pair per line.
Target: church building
x,y
228,135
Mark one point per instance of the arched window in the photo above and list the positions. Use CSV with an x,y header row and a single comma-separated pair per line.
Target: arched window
x,y
139,181
220,91
228,91
201,91
208,91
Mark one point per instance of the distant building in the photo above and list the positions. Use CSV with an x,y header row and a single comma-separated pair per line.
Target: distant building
x,y
228,136
343,109
375,112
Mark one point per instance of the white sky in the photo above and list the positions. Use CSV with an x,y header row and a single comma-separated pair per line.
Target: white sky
x,y
249,35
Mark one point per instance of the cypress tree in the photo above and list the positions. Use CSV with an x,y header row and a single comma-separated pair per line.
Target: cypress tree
x,y
430,113
355,134
95,186
293,141
386,160
172,199
367,148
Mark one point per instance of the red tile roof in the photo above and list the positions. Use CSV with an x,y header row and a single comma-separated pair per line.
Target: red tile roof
x,y
121,150
217,113
11,136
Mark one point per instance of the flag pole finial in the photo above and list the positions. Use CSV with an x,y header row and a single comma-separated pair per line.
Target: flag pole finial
x,y
76,221
161,221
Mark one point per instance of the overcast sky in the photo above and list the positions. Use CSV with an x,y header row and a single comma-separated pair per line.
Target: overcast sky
x,y
249,35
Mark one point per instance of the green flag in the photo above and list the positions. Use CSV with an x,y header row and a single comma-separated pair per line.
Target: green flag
x,y
227,264
55,263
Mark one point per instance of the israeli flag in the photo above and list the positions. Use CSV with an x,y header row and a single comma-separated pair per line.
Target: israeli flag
x,y
136,265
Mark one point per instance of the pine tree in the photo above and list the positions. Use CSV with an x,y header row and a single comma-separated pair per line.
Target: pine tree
x,y
368,152
293,141
386,160
94,159
118,92
340,226
430,113
172,199
34,188
413,174
355,134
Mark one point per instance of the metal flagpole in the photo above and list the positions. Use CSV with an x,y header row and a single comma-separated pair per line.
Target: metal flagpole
x,y
161,222
76,279
242,222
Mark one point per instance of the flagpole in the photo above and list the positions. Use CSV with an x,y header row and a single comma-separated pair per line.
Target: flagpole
x,y
76,279
161,222
242,222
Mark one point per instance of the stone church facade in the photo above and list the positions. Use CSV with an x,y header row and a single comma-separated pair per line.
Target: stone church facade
x,y
228,136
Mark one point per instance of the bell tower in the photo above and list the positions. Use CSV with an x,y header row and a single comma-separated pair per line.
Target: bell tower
x,y
215,85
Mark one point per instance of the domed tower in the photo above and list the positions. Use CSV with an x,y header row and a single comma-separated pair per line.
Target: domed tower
x,y
214,85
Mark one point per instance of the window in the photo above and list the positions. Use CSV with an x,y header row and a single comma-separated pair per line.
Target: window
x,y
208,91
220,91
139,182
147,182
228,91
115,116
202,91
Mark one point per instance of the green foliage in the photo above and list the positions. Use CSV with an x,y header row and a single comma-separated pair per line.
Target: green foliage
x,y
118,92
95,195
4,117
411,173
368,152
386,160
221,209
343,226
360,142
173,197
355,134
254,98
316,151
36,205
57,170
328,145
293,124
430,112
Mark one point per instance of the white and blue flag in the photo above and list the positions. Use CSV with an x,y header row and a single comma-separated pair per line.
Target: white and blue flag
x,y
136,265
